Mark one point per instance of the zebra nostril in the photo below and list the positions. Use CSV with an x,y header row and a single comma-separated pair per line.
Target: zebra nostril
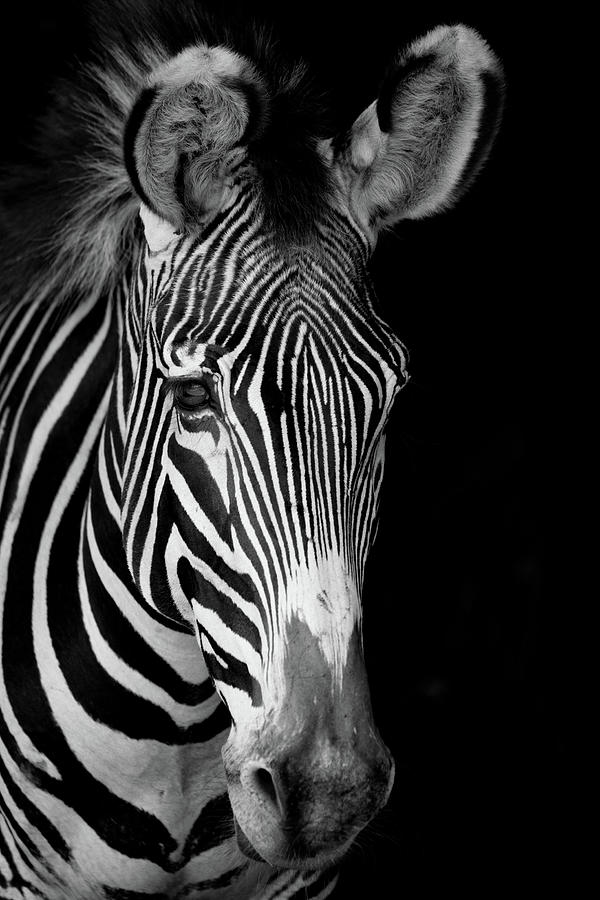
x,y
264,783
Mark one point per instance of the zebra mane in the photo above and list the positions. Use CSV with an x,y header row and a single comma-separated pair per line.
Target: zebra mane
x,y
68,212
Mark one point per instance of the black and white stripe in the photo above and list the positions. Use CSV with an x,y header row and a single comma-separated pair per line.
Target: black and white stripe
x,y
96,459
192,415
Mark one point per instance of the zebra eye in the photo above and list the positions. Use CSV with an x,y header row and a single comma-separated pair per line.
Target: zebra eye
x,y
192,395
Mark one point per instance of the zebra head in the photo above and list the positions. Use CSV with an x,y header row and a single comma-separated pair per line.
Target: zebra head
x,y
259,381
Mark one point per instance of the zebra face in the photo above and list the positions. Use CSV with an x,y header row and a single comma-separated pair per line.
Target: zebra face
x,y
254,445
255,459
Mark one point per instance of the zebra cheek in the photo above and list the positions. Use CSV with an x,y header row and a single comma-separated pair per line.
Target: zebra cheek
x,y
199,463
239,690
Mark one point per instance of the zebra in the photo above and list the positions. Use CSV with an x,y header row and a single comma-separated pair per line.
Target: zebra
x,y
194,389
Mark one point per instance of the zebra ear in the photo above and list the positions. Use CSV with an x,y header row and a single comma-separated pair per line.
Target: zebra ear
x,y
188,130
416,148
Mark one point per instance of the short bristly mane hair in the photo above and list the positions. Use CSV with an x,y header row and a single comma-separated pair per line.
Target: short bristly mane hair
x,y
69,212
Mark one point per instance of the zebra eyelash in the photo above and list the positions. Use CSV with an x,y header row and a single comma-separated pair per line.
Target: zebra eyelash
x,y
194,394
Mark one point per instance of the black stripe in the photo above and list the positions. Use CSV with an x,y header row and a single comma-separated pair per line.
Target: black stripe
x,y
235,673
256,108
491,113
213,826
179,187
123,638
314,889
214,600
133,125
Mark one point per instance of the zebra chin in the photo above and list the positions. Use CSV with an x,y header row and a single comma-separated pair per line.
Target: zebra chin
x,y
290,858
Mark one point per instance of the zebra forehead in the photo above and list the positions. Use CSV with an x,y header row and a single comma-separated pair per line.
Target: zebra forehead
x,y
305,316
300,339
241,298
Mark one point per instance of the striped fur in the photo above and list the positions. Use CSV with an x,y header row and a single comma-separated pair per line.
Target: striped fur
x,y
105,673
192,416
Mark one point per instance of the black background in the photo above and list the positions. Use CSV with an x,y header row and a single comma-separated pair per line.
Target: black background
x,y
462,642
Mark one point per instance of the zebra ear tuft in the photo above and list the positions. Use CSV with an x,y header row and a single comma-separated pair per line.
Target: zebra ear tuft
x,y
416,148
159,233
188,131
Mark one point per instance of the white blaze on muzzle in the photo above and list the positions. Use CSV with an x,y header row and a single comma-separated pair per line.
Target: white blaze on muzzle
x,y
324,597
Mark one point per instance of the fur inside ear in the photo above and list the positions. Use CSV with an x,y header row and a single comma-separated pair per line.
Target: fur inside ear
x,y
188,131
415,149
